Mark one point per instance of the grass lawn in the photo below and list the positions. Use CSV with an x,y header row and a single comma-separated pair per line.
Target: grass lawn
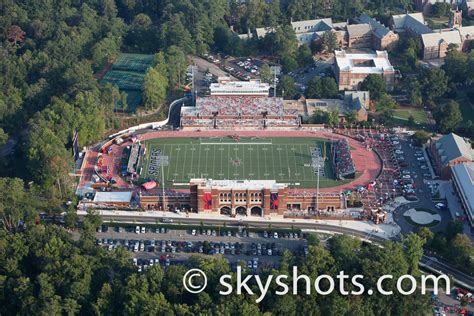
x,y
286,160
418,114
438,22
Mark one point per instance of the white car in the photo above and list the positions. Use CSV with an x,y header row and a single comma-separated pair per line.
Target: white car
x,y
407,176
143,230
137,230
399,152
439,206
193,232
275,235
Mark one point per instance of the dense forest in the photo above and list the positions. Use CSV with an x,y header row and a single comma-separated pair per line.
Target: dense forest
x,y
44,271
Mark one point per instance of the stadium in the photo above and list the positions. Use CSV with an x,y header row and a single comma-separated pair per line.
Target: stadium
x,y
235,154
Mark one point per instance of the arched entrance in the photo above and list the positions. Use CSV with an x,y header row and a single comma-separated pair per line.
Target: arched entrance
x,y
256,211
241,211
225,210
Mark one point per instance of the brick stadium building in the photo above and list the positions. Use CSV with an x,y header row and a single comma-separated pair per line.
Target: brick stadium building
x,y
232,197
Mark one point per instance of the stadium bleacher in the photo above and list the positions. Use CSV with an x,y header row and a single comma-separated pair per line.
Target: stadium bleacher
x,y
234,111
343,164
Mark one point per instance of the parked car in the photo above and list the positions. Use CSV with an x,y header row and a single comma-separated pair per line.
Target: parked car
x,y
440,206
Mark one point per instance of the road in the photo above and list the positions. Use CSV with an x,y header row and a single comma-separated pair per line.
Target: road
x,y
436,265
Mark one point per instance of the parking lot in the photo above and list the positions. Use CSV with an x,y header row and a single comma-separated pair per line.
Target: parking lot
x,y
162,246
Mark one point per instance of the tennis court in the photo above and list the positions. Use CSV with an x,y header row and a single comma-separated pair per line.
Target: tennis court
x,y
124,80
133,62
128,74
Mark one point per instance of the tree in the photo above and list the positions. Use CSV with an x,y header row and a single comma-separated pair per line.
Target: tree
x,y
154,89
385,106
454,228
266,73
177,65
351,117
286,87
434,83
289,63
329,41
440,9
449,117
329,88
304,56
285,42
376,85
3,137
314,88
461,251
414,93
413,250
421,137
456,66
333,117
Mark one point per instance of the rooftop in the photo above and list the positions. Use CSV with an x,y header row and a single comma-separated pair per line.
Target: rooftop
x,y
451,147
111,197
312,25
238,184
378,28
225,86
412,21
464,174
356,63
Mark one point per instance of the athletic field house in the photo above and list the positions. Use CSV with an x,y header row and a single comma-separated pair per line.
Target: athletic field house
x,y
238,152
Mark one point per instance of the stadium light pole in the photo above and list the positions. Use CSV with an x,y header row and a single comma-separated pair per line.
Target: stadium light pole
x,y
317,191
163,184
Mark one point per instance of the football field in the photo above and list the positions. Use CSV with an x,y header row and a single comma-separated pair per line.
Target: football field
x,y
286,160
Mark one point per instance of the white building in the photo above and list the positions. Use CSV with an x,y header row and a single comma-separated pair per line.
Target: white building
x,y
227,87
352,69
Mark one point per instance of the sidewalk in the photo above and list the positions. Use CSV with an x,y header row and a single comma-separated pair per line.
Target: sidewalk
x,y
385,231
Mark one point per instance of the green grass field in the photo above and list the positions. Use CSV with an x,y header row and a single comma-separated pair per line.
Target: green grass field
x,y
286,160
418,114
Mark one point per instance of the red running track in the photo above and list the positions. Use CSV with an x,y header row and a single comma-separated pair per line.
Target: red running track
x,y
367,162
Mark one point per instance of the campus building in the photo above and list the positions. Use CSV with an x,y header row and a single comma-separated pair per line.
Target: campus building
x,y
435,42
352,69
243,197
357,101
311,30
382,38
463,181
448,151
